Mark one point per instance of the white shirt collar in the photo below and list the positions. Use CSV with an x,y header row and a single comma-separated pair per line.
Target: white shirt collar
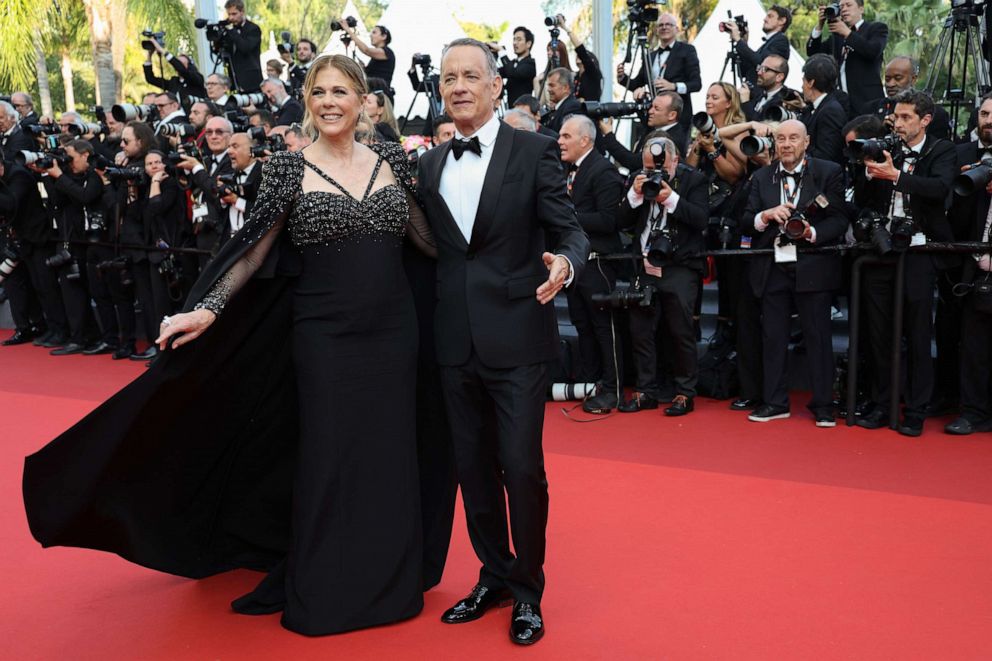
x,y
222,101
770,93
486,134
172,115
857,26
796,170
919,148
818,100
11,129
285,101
669,127
247,170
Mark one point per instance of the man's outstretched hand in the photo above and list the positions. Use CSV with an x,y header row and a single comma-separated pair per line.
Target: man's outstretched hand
x,y
558,272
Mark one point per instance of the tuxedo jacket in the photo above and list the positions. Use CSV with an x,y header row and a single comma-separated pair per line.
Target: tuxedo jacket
x,y
688,221
568,106
864,60
812,272
290,113
18,140
246,40
777,44
596,193
976,232
486,286
940,124
205,182
249,186
682,67
519,76
824,126
29,119
72,194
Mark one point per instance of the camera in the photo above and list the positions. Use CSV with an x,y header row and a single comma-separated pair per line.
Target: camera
x,y
133,174
245,100
795,227
350,21
64,258
95,222
739,20
11,258
596,110
870,226
152,38
285,45
170,270
421,59
215,32
644,11
126,112
870,149
832,11
704,123
42,159
624,299
902,231
652,186
974,179
43,129
752,145
661,247
181,130
122,265
228,183
778,114
563,392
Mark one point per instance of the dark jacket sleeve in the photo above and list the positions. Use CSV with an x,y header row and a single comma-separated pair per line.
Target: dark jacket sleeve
x,y
81,194
829,138
816,44
248,39
590,63
523,71
693,207
192,77
693,82
621,154
158,212
608,188
152,79
8,200
937,185
555,211
627,217
870,44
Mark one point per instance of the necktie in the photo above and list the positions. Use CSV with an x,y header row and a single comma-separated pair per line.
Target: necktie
x,y
459,147
571,177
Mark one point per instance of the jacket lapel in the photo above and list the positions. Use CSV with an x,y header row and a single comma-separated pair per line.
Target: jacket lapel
x,y
489,198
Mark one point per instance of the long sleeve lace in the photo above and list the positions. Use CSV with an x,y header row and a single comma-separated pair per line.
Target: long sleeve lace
x,y
242,271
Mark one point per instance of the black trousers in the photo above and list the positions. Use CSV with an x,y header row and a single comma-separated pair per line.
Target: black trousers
x,y
100,293
211,240
76,298
24,305
976,363
947,335
497,418
917,328
673,304
149,285
601,354
814,318
46,286
749,343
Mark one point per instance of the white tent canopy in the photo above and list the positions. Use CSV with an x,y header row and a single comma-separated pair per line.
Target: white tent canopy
x,y
712,46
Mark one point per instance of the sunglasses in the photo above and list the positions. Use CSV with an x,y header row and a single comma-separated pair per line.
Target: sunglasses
x,y
125,141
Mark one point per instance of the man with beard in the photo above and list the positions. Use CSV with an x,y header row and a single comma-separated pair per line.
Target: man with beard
x,y
306,51
770,90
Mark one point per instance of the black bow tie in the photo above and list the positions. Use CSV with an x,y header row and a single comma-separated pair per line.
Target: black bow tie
x,y
666,49
459,147
910,155
984,151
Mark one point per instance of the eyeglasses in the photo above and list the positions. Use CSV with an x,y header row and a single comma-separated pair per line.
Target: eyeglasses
x,y
125,141
211,83
667,25
216,132
761,68
163,105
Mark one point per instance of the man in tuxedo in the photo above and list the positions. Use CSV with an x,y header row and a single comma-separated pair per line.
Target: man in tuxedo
x,y
306,52
664,114
823,115
492,194
13,138
797,184
188,80
857,47
519,73
900,75
679,212
777,21
287,110
211,220
172,113
243,40
560,86
219,92
674,66
596,189
911,188
24,106
240,196
769,90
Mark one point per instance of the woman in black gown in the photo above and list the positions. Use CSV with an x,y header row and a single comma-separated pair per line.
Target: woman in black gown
x,y
354,557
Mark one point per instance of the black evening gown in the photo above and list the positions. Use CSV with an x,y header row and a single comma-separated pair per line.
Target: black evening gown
x,y
327,326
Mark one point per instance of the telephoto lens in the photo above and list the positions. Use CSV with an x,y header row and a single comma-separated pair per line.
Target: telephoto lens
x,y
753,145
563,392
245,100
181,130
973,180
778,114
704,123
795,227
832,11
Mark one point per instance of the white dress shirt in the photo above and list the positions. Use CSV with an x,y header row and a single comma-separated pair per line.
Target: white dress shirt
x,y
236,212
462,179
796,176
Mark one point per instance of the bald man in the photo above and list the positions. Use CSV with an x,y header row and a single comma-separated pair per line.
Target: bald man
x,y
901,74
789,280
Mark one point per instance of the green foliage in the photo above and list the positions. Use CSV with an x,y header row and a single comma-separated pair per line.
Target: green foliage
x,y
20,22
483,32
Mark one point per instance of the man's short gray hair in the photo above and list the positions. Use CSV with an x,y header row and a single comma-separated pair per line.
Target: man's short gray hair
x,y
913,64
522,117
565,76
224,80
475,43
584,124
9,111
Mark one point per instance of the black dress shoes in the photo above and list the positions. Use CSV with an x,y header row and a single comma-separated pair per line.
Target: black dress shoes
x,y
55,340
769,412
638,402
41,339
527,625
147,354
475,605
744,404
68,349
912,425
963,426
100,348
681,405
876,419
601,404
19,337
124,352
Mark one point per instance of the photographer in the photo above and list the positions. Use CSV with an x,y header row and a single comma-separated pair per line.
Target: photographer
x,y
796,202
596,189
664,114
668,222
171,113
857,47
901,74
13,138
823,115
210,216
589,81
382,60
380,111
561,82
77,197
518,74
239,195
306,52
674,66
243,41
219,92
769,89
777,21
24,106
199,113
909,188
187,82
297,139
26,229
286,109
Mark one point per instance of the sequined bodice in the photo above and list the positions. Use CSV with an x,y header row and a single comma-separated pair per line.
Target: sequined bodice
x,y
323,217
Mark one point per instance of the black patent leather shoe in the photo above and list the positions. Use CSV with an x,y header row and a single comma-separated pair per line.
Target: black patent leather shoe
x,y
638,402
963,426
527,625
68,349
100,348
601,404
681,405
124,352
19,337
475,605
744,404
874,420
147,354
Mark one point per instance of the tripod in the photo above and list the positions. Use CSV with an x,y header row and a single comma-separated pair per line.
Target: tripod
x,y
429,86
637,49
733,60
960,30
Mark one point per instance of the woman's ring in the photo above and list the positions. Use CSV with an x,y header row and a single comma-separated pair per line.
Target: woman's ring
x,y
166,320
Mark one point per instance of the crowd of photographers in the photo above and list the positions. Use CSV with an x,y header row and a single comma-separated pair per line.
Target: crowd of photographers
x,y
130,207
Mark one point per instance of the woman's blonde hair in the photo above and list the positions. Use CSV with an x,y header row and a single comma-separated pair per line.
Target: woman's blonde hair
x,y
344,65
388,116
734,114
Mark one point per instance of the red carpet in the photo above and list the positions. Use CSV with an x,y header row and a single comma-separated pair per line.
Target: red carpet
x,y
703,538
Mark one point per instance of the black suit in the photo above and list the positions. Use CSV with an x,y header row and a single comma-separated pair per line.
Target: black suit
x,y
213,230
494,339
596,191
29,119
777,44
928,188
588,84
682,66
824,125
806,284
863,71
567,106
632,159
940,124
760,102
519,76
246,65
675,290
17,140
297,76
976,326
188,82
290,113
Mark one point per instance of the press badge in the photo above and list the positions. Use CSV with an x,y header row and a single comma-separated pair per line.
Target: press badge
x,y
199,212
784,253
919,239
